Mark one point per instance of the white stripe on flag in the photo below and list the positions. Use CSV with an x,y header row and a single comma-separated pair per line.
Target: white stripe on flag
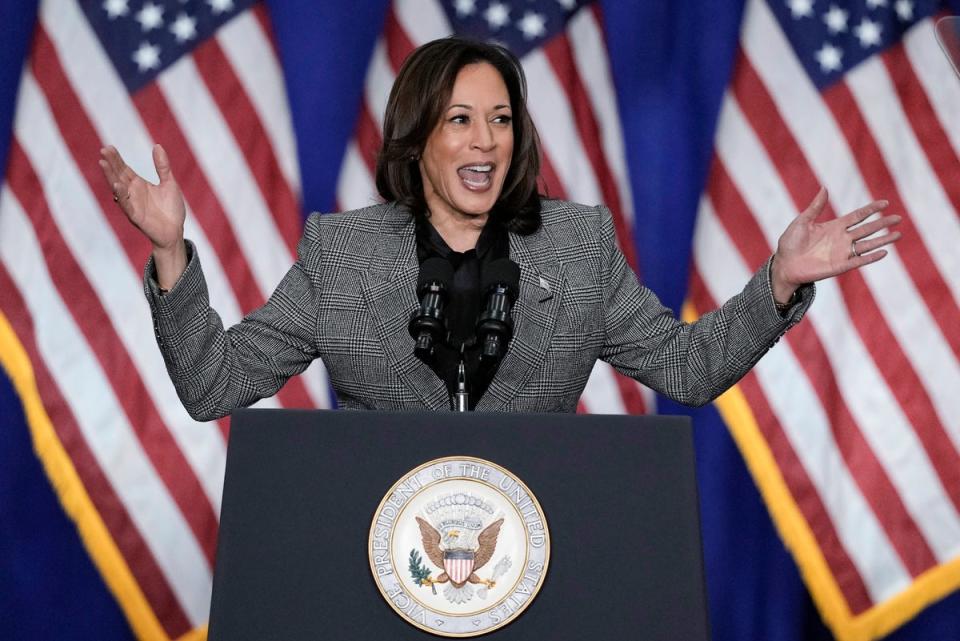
x,y
422,20
804,422
101,419
378,82
250,53
602,394
355,187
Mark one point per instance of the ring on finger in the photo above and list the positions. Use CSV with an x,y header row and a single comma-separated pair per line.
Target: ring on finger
x,y
853,250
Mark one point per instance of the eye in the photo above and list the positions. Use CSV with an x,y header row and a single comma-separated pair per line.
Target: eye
x,y
503,119
460,119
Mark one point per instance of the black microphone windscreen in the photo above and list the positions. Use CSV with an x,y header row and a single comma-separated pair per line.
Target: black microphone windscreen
x,y
502,271
435,270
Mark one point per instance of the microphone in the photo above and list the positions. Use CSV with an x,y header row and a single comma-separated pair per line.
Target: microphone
x,y
428,324
500,284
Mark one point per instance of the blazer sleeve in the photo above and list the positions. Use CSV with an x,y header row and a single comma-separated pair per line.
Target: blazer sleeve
x,y
216,371
691,363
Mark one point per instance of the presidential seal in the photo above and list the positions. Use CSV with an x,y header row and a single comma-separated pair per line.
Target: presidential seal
x,y
459,546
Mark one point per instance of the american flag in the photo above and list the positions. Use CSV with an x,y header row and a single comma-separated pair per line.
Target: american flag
x,y
852,428
141,480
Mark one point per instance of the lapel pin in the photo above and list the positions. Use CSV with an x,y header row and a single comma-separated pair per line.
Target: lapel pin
x,y
547,293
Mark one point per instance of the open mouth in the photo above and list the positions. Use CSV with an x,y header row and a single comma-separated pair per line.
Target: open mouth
x,y
477,177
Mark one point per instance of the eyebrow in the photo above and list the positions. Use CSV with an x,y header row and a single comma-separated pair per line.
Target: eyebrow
x,y
471,108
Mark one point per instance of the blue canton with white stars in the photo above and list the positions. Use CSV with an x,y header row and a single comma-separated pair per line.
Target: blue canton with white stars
x,y
144,37
831,37
519,25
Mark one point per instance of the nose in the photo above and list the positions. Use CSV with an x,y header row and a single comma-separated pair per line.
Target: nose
x,y
483,139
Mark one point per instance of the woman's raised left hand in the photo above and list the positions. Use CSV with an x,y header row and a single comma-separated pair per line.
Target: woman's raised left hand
x,y
809,251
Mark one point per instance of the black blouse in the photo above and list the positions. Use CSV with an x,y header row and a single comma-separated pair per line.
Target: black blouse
x,y
464,304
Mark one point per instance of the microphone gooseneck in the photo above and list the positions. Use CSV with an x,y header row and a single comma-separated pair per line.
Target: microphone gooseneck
x,y
428,324
500,284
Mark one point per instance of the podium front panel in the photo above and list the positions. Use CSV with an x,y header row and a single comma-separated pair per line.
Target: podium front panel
x,y
619,494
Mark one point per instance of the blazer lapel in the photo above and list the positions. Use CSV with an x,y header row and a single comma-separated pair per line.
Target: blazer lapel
x,y
534,316
389,288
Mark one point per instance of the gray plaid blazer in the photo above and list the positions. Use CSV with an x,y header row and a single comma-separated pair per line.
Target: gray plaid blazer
x,y
349,297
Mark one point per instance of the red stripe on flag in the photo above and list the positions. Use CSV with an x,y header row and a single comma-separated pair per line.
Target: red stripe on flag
x,y
98,330
866,469
398,44
550,180
251,137
209,212
123,531
795,476
894,365
368,139
630,394
910,248
560,55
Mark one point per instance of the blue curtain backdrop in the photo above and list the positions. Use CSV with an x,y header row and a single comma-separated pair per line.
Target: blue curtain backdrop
x,y
671,60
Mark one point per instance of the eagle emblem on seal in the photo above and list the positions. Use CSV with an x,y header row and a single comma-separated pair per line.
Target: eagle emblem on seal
x,y
459,534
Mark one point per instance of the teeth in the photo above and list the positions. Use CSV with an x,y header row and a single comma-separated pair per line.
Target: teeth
x,y
483,168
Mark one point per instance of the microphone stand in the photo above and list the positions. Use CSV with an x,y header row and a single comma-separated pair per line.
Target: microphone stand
x,y
461,400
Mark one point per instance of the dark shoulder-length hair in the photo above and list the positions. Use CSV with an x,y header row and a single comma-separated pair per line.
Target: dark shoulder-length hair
x,y
417,102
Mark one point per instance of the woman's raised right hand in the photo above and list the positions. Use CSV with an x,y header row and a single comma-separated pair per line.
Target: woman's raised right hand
x,y
156,210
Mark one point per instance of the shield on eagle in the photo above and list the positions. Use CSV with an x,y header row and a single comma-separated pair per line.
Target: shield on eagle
x,y
458,565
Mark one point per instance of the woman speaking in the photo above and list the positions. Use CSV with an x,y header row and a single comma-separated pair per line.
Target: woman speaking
x,y
458,173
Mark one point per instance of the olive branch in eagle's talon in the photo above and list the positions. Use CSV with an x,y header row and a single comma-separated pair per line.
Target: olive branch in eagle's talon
x,y
419,572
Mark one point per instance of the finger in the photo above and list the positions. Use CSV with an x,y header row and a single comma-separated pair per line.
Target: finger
x,y
107,152
120,168
112,156
108,172
815,208
110,163
872,227
868,245
162,163
859,215
866,259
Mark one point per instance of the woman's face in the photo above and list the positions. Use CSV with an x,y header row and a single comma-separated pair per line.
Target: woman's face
x,y
468,153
